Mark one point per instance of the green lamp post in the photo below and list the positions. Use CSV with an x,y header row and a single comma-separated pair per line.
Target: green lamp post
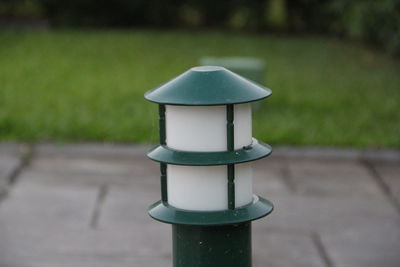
x,y
205,154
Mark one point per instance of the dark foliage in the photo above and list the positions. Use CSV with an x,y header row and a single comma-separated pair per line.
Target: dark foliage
x,y
374,21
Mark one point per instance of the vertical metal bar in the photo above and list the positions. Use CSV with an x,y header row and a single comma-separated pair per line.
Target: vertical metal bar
x,y
231,187
231,147
161,112
230,128
164,192
163,166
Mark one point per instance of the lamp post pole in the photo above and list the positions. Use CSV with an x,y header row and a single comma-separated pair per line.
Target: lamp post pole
x,y
205,154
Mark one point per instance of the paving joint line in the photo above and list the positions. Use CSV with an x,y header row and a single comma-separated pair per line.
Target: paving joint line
x,y
3,194
24,162
287,176
381,183
315,237
101,196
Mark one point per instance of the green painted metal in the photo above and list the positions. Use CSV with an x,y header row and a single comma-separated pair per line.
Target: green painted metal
x,y
165,154
164,191
163,166
250,68
231,186
212,246
230,130
259,208
207,86
209,238
162,128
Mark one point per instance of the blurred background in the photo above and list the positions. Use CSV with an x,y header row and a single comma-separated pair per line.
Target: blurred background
x,y
77,70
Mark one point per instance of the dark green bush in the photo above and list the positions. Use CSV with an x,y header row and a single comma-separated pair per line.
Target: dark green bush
x,y
375,21
20,9
117,13
381,24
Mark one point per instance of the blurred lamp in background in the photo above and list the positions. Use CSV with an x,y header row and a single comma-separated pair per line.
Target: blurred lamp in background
x,y
248,67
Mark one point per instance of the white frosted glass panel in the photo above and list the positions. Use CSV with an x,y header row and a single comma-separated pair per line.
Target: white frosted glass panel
x,y
243,125
192,128
196,128
205,188
243,184
197,188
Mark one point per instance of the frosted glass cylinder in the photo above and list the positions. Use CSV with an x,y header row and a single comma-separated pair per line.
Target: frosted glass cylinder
x,y
203,128
205,188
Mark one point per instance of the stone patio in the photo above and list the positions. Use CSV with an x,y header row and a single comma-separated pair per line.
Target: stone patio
x,y
86,205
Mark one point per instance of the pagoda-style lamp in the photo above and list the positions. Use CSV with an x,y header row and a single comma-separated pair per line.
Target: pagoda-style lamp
x,y
205,153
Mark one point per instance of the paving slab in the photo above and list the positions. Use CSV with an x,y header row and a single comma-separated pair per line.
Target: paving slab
x,y
106,150
49,225
332,177
370,244
92,167
334,153
328,213
36,217
269,176
126,207
88,248
344,223
52,207
281,249
42,205
95,261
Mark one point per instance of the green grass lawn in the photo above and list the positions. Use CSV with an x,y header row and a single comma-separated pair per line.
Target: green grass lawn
x,y
89,85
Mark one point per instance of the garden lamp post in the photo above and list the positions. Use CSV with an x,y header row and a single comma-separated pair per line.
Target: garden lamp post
x,y
205,153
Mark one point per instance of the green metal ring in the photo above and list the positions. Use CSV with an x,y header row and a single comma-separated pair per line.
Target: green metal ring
x,y
259,208
168,155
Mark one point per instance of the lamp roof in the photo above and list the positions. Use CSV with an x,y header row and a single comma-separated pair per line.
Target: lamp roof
x,y
207,86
